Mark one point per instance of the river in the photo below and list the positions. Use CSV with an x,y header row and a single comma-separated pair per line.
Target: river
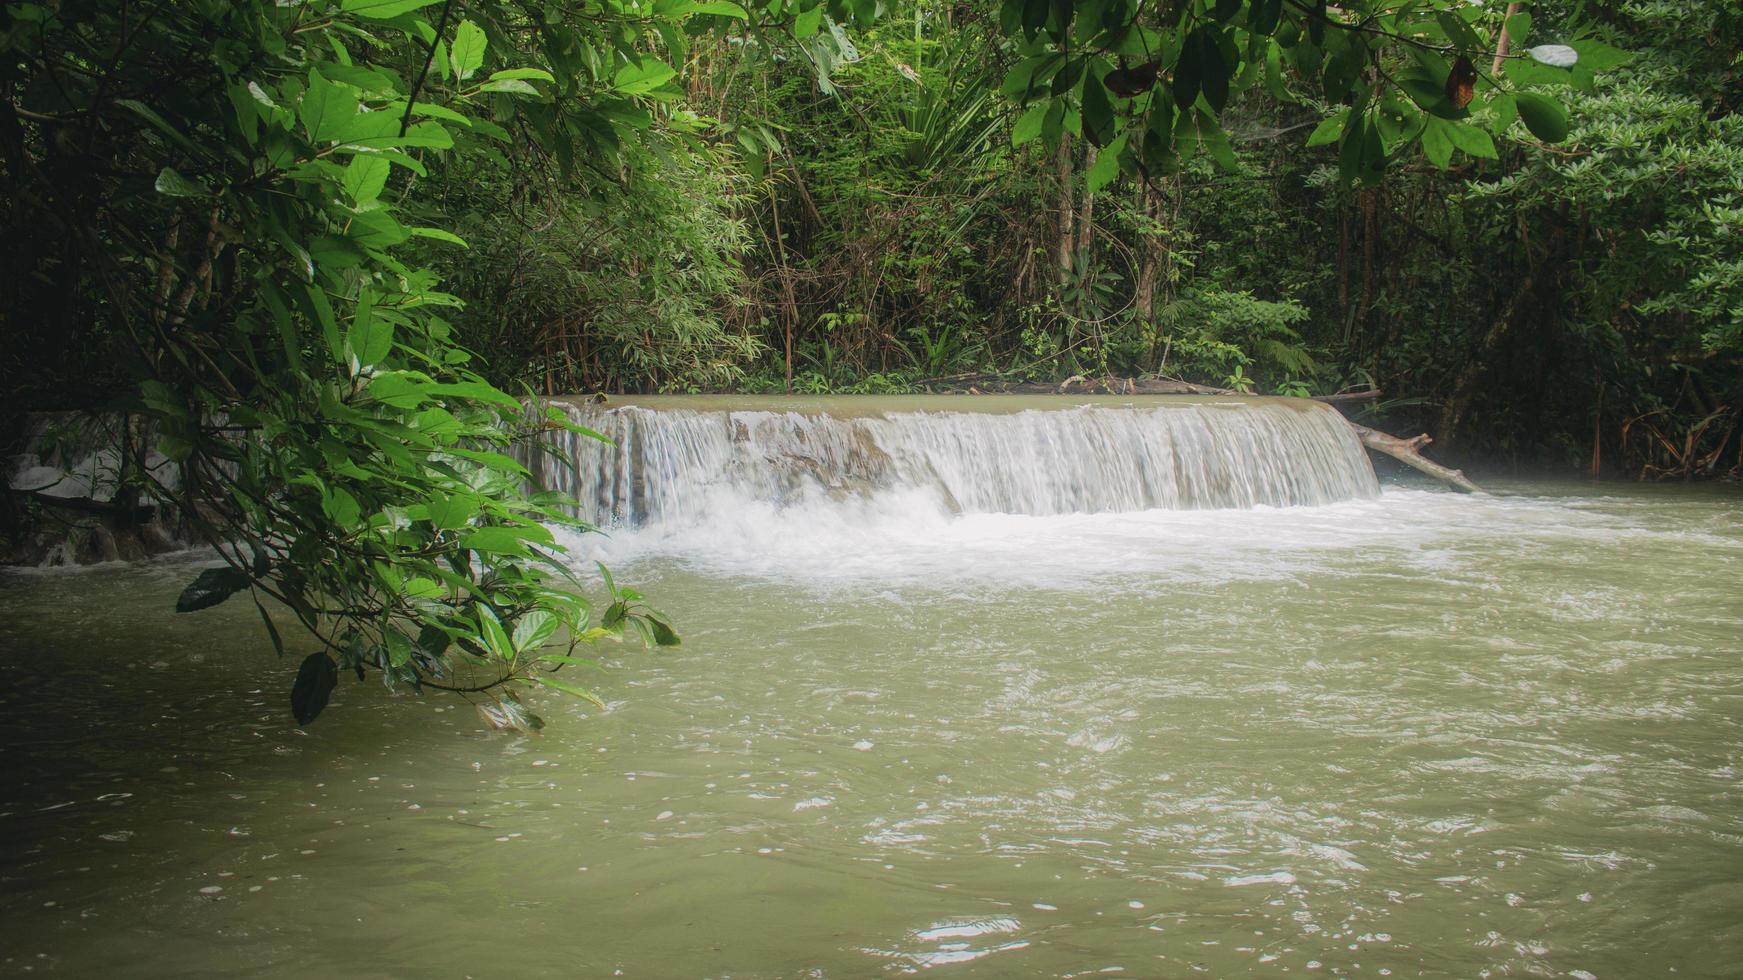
x,y
1412,734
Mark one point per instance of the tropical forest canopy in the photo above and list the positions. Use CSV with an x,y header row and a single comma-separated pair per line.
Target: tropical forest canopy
x,y
323,247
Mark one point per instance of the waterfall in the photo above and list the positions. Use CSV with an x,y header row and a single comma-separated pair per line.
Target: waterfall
x,y
672,458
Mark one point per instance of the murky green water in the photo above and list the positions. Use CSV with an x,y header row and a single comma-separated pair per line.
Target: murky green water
x,y
1424,735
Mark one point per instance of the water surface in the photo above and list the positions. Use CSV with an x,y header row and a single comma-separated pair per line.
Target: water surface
x,y
1416,735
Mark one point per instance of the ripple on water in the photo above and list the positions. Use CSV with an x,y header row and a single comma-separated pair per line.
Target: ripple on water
x,y
953,942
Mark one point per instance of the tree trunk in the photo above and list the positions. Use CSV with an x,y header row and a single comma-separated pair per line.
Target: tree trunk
x,y
1149,258
1067,220
1452,414
1406,451
1501,45
1086,216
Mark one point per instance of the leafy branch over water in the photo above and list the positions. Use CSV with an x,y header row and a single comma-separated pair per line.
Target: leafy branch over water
x,y
238,184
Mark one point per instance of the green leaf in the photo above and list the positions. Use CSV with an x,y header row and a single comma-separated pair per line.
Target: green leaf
x,y
422,588
536,74
1028,125
1020,78
211,587
808,21
513,86
341,507
1505,109
1098,113
466,54
496,540
474,390
1330,130
439,235
1518,26
370,337
383,9
1545,117
533,630
1437,144
720,8
450,512
175,185
1215,141
327,109
400,390
494,636
642,76
569,689
664,635
365,177
1470,139
1598,56
1107,165
315,681
399,648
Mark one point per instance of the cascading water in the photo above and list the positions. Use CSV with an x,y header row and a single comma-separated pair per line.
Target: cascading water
x,y
673,460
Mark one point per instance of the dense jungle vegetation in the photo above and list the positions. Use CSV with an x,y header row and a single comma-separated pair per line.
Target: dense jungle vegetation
x,y
321,245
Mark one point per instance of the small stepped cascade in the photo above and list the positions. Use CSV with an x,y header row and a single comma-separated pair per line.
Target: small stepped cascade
x,y
676,463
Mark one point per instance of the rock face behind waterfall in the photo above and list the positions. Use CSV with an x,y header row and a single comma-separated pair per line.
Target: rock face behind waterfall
x,y
673,458
67,501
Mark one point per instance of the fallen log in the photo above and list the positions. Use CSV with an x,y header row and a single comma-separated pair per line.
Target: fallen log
x,y
1349,396
1406,451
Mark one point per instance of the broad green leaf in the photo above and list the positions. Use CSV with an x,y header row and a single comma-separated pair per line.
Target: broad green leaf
x,y
642,76
720,8
1215,141
1107,165
449,512
400,390
1098,113
1544,116
1470,139
466,54
1518,27
341,507
808,21
1330,130
371,339
327,108
495,637
422,588
512,86
175,185
1028,125
1437,144
383,9
496,540
475,390
399,648
664,635
365,177
1598,56
533,630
